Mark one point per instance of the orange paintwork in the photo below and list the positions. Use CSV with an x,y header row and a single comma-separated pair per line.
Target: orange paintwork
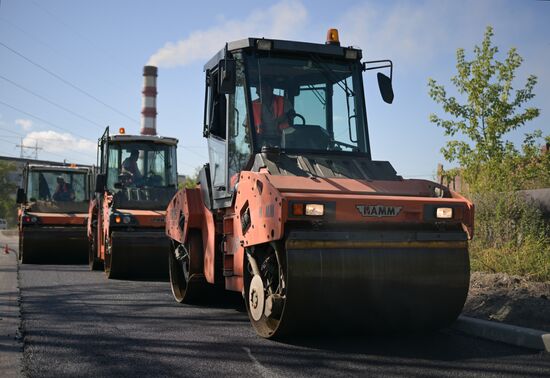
x,y
60,219
188,203
267,199
145,219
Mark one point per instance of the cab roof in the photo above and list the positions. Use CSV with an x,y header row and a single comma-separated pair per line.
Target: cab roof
x,y
58,168
143,138
278,45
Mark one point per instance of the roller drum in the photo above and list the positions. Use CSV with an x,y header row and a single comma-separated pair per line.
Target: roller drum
x,y
356,282
54,245
138,254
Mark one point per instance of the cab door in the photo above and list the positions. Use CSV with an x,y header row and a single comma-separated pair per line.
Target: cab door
x,y
215,130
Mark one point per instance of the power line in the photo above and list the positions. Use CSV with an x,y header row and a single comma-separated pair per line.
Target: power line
x,y
35,148
48,151
73,30
69,83
69,59
51,102
43,120
19,135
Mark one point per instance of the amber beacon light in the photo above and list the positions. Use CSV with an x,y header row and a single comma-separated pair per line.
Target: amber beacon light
x,y
332,37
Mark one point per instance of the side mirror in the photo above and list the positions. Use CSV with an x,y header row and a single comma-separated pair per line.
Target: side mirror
x,y
100,183
386,89
20,197
227,76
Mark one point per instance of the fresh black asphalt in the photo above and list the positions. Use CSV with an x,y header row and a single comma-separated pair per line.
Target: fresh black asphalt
x,y
76,323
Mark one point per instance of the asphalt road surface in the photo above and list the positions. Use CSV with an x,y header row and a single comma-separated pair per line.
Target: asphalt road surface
x,y
76,323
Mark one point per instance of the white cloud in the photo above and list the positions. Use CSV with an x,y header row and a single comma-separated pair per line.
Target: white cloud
x,y
406,32
279,21
25,124
417,33
52,141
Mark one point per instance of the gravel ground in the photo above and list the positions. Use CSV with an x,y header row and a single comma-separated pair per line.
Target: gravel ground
x,y
509,299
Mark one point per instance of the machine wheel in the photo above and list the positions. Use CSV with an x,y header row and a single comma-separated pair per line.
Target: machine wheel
x,y
113,265
265,289
20,251
185,266
93,262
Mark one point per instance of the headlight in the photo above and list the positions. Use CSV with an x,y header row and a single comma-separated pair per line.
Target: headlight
x,y
444,213
264,44
30,219
315,209
122,219
301,209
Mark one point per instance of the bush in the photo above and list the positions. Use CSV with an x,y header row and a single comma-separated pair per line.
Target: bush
x,y
511,236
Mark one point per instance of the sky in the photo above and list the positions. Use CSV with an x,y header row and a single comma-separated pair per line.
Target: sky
x,y
69,68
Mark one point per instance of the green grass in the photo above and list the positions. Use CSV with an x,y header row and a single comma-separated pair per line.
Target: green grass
x,y
511,237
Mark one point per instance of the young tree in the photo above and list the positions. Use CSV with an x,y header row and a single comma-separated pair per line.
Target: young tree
x,y
8,208
488,110
190,181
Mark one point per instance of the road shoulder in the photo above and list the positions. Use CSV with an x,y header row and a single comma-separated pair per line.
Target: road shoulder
x,y
11,346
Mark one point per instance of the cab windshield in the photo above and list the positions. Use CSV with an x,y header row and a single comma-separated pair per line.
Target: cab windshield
x,y
58,191
141,174
307,104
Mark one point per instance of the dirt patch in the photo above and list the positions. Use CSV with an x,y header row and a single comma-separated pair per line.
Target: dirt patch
x,y
509,299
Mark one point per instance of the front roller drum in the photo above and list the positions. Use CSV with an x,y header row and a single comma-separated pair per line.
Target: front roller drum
x,y
369,287
137,255
185,262
53,245
94,263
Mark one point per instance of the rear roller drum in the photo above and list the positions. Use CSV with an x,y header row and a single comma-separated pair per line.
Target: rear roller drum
x,y
265,289
186,270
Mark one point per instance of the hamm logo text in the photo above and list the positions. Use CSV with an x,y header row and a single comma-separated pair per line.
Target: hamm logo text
x,y
378,210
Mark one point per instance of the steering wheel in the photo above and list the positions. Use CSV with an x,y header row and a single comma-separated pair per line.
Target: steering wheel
x,y
294,115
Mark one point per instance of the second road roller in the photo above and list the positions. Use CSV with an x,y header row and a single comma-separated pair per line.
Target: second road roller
x,y
137,178
292,211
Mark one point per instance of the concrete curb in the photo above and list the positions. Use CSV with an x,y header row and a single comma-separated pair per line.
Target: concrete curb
x,y
509,334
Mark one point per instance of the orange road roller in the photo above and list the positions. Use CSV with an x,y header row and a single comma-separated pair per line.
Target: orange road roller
x,y
52,213
292,211
126,219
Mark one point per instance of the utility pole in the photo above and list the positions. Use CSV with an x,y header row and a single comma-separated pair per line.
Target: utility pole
x,y
35,148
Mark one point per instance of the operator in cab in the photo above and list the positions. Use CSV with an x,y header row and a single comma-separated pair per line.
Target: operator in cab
x,y
272,113
130,167
64,191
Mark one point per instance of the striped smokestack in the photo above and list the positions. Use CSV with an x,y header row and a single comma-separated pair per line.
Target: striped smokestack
x,y
149,105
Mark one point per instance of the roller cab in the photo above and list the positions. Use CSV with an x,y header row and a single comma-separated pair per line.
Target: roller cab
x,y
52,214
293,212
137,177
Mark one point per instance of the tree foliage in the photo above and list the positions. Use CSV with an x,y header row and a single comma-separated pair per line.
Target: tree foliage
x,y
490,108
8,208
191,181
